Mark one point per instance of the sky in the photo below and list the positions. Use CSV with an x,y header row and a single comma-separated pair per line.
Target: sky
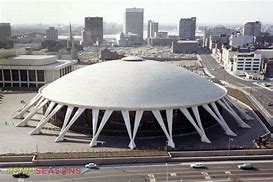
x,y
162,11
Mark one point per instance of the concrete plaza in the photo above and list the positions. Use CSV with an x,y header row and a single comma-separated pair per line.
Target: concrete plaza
x,y
17,139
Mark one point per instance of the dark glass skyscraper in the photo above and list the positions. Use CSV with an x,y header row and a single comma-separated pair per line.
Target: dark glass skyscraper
x,y
187,28
133,21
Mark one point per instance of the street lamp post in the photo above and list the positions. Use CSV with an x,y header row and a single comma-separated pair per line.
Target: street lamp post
x,y
37,158
167,173
229,141
101,142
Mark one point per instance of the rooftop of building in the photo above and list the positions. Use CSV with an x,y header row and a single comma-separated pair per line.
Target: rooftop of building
x,y
141,10
33,57
4,24
34,61
187,41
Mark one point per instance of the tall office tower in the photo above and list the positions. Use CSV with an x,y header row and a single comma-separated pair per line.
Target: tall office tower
x,y
93,30
252,28
187,28
152,28
133,21
51,34
5,36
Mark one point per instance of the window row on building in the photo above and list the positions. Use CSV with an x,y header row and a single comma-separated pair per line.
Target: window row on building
x,y
30,78
21,78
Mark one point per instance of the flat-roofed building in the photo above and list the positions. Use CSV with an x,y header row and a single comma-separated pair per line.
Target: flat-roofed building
x,y
246,62
187,28
51,34
5,36
32,71
238,40
133,21
93,31
185,46
252,28
152,29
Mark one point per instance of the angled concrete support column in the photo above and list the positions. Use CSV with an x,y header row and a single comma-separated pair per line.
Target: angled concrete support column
x,y
37,130
33,101
216,110
160,121
34,110
240,122
238,107
136,125
70,123
126,118
67,116
105,118
200,132
169,113
198,119
95,115
223,124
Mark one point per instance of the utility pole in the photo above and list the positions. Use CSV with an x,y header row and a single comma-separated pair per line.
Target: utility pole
x,y
167,173
229,141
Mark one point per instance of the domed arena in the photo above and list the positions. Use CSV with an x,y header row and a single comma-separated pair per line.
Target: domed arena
x,y
132,97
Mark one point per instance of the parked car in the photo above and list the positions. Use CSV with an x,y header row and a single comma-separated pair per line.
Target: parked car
x,y
213,69
221,67
198,165
91,166
20,175
270,104
246,166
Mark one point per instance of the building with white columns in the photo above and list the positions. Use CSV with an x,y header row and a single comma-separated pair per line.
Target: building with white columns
x,y
31,71
133,96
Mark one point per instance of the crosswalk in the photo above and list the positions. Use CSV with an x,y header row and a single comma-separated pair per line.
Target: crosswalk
x,y
176,177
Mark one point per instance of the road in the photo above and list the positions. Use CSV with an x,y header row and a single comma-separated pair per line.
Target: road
x,y
261,94
215,171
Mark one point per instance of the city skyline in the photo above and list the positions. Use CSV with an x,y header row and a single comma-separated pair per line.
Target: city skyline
x,y
63,11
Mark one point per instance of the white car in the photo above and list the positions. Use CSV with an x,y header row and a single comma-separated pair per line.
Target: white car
x,y
246,166
198,165
91,166
221,67
213,69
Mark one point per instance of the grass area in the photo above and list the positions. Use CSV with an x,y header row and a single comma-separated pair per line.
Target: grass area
x,y
239,95
235,93
106,154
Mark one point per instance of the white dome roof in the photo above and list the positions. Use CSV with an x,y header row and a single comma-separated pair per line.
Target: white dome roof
x,y
132,84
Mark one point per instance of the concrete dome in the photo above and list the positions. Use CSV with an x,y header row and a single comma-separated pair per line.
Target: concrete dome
x,y
132,83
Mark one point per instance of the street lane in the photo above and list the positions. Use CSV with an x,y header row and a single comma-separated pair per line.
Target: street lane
x,y
261,94
217,171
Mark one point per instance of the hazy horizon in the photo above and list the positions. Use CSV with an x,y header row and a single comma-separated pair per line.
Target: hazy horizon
x,y
167,12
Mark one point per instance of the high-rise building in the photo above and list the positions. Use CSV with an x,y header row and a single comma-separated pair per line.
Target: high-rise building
x,y
51,34
152,29
133,21
5,35
93,30
187,28
252,28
